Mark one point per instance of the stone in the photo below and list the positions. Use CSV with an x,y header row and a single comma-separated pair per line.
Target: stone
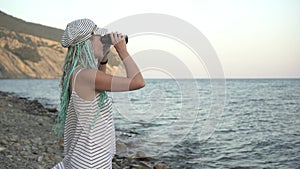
x,y
144,165
25,153
140,154
121,147
161,166
34,150
14,138
2,148
27,148
37,141
115,166
40,158
130,144
145,159
182,155
4,142
52,110
135,166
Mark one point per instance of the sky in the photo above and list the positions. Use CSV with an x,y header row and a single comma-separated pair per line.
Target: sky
x,y
252,38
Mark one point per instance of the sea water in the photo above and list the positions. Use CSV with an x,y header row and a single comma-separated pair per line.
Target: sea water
x,y
254,124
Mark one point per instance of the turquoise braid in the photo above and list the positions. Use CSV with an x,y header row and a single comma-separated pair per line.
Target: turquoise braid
x,y
78,55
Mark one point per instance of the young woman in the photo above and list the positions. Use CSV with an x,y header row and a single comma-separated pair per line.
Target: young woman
x,y
85,117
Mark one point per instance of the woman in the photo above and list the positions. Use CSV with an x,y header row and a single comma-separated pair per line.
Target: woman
x,y
86,111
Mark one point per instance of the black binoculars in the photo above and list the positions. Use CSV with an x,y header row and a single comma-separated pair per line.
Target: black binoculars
x,y
106,39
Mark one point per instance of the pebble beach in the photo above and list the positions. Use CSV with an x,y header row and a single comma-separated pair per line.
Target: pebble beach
x,y
26,139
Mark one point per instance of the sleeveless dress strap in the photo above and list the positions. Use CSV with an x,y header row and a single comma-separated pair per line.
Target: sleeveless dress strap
x,y
75,78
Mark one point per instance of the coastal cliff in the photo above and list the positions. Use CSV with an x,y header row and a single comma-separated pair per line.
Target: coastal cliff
x,y
29,50
27,56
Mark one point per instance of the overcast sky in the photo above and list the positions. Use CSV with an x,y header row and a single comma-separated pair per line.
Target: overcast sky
x,y
252,38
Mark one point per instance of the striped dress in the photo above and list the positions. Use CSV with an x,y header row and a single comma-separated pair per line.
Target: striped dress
x,y
86,147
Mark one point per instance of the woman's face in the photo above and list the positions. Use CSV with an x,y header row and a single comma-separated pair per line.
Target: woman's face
x,y
97,46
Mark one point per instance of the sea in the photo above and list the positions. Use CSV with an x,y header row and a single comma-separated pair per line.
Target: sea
x,y
199,123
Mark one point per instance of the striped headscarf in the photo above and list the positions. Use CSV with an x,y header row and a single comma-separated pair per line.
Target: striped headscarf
x,y
79,31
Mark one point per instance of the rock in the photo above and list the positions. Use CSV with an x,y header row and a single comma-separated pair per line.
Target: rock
x,y
14,138
46,158
115,166
121,147
134,132
161,166
52,110
140,154
34,150
27,148
25,153
37,141
182,155
40,158
144,165
50,150
130,144
40,121
4,142
134,166
145,159
2,148
36,166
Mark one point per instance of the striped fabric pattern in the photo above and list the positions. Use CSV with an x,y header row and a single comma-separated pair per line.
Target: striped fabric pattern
x,y
86,147
80,30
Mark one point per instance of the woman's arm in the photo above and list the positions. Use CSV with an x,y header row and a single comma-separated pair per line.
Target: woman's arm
x,y
106,49
106,82
133,81
102,67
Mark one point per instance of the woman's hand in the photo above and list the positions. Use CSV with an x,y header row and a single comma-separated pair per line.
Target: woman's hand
x,y
119,43
106,82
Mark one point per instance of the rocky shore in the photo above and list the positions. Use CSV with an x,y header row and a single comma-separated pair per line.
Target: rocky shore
x,y
26,140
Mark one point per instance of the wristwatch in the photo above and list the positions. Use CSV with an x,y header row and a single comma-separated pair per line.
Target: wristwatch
x,y
103,63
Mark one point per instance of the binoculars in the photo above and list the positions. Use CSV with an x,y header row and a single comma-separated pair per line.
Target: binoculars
x,y
107,40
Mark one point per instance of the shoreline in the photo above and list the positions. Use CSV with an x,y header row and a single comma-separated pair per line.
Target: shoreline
x,y
26,139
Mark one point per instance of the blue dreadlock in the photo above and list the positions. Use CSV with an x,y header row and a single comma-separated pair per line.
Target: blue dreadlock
x,y
78,55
